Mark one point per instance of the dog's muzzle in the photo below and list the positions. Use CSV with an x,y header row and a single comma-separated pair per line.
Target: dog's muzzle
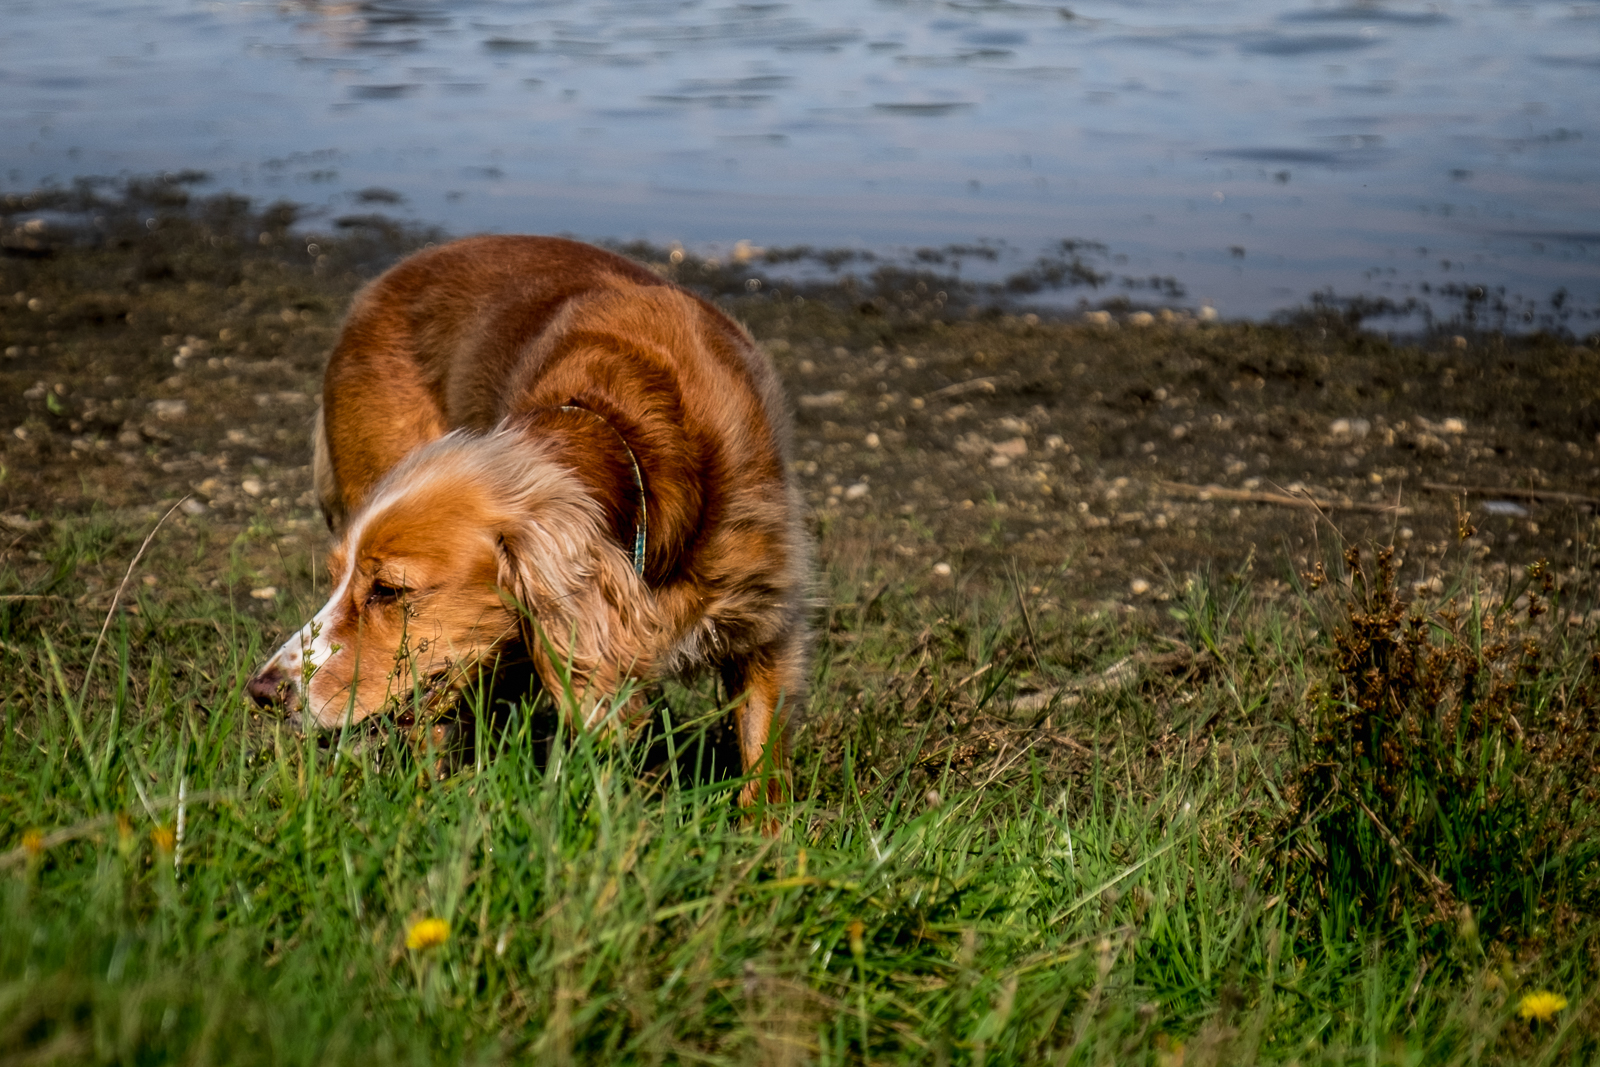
x,y
271,687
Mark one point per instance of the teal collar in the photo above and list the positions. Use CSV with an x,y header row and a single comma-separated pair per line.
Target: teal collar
x,y
641,518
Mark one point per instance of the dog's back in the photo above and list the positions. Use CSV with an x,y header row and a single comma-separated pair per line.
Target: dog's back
x,y
476,331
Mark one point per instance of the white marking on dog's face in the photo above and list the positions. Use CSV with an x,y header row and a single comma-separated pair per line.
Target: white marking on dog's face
x,y
304,653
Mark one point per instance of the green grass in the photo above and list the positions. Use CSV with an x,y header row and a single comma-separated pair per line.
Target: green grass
x,y
1102,880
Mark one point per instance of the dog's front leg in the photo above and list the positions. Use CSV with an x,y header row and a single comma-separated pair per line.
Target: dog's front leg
x,y
765,685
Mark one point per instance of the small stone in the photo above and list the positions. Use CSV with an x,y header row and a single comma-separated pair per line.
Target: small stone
x,y
1430,443
252,486
1098,318
193,507
832,399
167,410
1139,587
1459,341
873,441
1453,426
1141,318
857,491
1207,314
942,569
1015,448
266,592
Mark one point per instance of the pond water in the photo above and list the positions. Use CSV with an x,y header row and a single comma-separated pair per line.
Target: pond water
x,y
1253,151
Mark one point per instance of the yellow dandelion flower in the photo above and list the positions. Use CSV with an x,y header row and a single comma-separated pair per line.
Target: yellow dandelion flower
x,y
426,933
32,842
1542,1005
163,838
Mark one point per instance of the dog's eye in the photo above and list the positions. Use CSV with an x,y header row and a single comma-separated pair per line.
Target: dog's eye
x,y
383,593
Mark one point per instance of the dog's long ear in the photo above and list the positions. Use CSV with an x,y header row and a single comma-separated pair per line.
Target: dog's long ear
x,y
586,617
329,498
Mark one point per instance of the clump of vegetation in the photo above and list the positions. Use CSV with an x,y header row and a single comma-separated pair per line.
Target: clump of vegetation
x,y
1450,761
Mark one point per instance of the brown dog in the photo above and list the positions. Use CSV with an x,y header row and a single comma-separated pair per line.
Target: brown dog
x,y
529,446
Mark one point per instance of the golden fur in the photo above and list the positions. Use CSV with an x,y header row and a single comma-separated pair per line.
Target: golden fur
x,y
500,418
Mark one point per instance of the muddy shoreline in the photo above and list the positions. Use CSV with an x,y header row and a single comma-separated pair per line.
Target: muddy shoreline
x,y
158,347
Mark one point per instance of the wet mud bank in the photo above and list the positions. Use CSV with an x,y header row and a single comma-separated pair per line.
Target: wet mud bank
x,y
159,348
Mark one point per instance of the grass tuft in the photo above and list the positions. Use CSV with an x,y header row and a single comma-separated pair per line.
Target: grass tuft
x,y
1449,763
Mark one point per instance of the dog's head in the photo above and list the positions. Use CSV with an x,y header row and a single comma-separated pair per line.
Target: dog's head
x,y
468,544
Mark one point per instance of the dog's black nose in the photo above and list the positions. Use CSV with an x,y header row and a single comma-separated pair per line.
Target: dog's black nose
x,y
268,687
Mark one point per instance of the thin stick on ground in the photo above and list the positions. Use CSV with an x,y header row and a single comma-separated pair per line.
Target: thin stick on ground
x,y
1027,623
1282,500
112,610
1442,897
1509,493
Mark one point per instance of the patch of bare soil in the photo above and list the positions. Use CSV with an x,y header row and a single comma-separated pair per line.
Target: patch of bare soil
x,y
1122,455
157,347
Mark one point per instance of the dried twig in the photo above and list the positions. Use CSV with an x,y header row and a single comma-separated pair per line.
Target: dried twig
x,y
1442,896
1285,500
1114,676
1509,493
972,385
137,556
1027,623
